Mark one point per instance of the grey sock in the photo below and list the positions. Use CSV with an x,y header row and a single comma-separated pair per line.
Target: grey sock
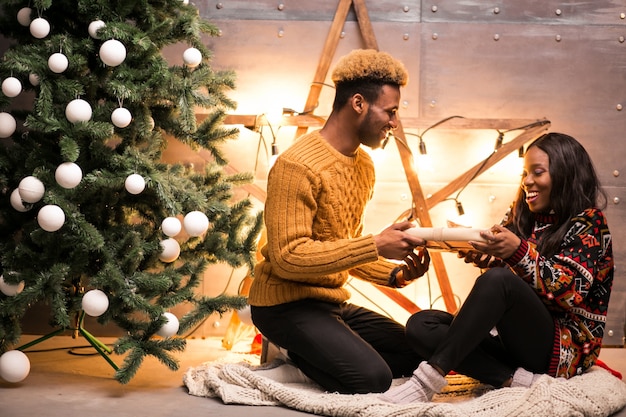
x,y
524,378
421,387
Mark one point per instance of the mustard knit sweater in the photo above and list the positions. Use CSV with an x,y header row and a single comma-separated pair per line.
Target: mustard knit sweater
x,y
316,200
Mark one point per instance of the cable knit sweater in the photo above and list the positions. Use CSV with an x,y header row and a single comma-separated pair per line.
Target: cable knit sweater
x,y
575,285
316,199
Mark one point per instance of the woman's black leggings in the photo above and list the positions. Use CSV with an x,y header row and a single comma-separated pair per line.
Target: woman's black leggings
x,y
463,343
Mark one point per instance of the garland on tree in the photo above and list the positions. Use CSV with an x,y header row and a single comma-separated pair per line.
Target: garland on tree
x,y
91,220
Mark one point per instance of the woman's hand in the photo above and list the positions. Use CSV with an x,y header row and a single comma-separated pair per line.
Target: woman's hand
x,y
479,259
499,242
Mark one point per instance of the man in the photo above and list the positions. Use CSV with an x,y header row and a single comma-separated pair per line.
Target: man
x,y
316,196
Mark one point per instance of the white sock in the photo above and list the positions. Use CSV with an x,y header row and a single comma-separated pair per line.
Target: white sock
x,y
524,378
285,373
421,387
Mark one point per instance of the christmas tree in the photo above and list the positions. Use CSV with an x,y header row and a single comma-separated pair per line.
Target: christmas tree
x,y
91,220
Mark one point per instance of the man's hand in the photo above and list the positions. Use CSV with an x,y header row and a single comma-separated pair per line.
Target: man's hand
x,y
415,265
395,243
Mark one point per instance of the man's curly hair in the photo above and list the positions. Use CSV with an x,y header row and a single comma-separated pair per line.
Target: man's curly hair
x,y
369,65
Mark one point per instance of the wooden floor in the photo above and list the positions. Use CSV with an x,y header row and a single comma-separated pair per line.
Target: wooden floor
x,y
68,380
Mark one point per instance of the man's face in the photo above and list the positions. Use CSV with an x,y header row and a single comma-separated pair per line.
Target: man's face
x,y
380,118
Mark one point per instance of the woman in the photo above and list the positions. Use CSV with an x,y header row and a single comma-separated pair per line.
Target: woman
x,y
544,311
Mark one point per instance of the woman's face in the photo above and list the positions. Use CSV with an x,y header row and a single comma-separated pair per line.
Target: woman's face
x,y
536,180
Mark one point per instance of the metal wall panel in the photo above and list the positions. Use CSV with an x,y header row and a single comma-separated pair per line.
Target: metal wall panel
x,y
600,12
294,10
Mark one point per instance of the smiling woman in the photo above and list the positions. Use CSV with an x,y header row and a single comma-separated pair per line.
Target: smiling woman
x,y
548,305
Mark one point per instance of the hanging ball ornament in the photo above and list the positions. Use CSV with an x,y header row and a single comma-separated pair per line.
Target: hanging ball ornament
x,y
11,87
170,250
31,189
58,62
95,303
39,28
78,110
170,327
23,16
10,289
94,27
17,203
112,52
14,366
121,117
51,218
7,125
195,223
135,183
34,79
68,175
192,57
171,226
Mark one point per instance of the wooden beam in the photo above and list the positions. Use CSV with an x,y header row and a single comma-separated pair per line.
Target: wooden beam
x,y
422,214
311,120
465,178
330,47
398,298
365,24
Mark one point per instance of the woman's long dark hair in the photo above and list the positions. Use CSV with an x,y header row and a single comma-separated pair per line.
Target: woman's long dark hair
x,y
575,187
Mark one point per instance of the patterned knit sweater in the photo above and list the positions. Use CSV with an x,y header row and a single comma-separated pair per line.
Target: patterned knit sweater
x,y
314,211
575,285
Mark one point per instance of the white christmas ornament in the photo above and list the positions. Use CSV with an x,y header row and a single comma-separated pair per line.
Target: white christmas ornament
x,y
95,303
51,218
10,289
151,122
16,202
170,250
112,52
39,28
195,223
171,226
121,117
94,27
170,327
7,125
185,2
68,175
11,87
31,189
135,183
23,16
192,57
245,316
34,79
58,62
14,366
78,110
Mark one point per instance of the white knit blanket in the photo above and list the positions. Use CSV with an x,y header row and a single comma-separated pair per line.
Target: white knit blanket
x,y
596,393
